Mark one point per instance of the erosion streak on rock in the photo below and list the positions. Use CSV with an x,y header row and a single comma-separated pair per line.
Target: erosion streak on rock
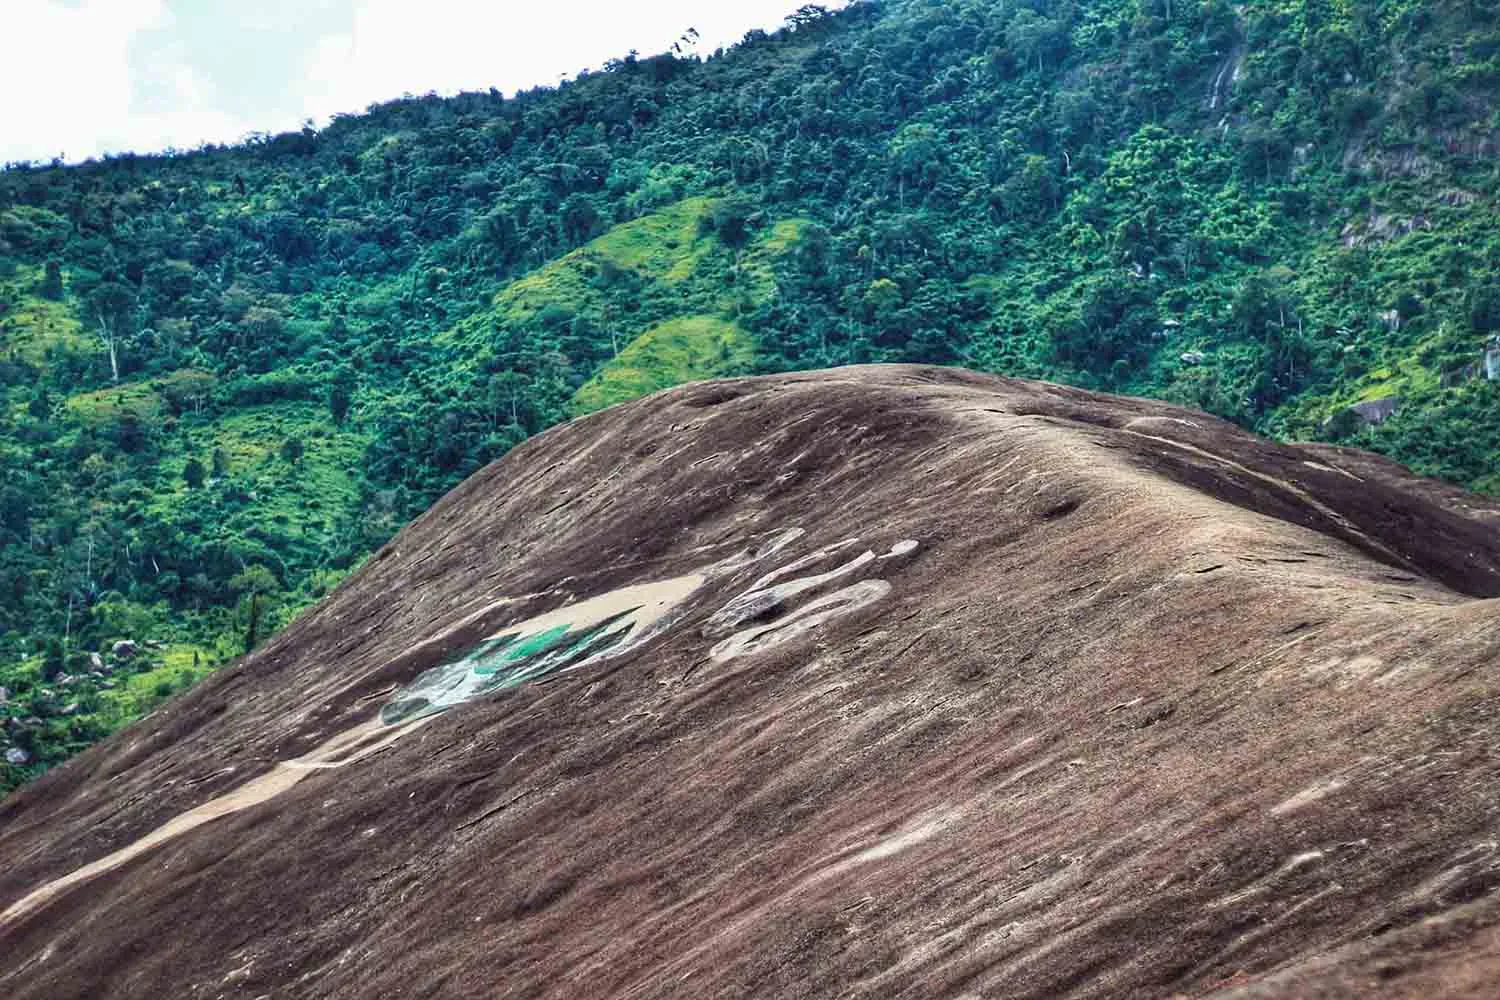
x,y
633,613
344,749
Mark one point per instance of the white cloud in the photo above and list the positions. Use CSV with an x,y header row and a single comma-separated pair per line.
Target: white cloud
x,y
86,77
66,74
73,88
452,45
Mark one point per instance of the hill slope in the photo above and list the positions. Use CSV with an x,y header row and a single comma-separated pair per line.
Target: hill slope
x,y
229,375
885,681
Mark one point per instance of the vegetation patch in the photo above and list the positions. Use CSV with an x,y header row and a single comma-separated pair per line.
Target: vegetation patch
x,y
140,400
33,328
680,350
663,244
178,668
760,262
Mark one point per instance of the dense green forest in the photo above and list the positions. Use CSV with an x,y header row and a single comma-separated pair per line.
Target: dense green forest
x,y
230,374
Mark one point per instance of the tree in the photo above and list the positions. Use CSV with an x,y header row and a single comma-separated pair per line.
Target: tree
x,y
504,394
254,579
1112,335
193,473
806,16
52,280
730,220
339,401
53,657
580,218
128,432
881,301
111,304
1037,37
1484,308
1266,311
255,584
292,449
220,463
1032,191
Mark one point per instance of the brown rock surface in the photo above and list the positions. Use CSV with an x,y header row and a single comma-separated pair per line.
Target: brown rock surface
x,y
1154,708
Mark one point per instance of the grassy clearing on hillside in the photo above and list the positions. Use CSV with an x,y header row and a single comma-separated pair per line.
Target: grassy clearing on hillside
x,y
146,400
680,350
758,266
139,399
665,284
181,667
305,495
32,327
1405,376
663,246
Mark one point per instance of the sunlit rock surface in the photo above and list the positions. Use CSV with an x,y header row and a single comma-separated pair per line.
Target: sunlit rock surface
x,y
878,682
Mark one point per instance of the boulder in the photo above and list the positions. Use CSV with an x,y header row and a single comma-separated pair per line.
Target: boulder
x,y
96,661
1361,415
1458,197
1492,359
124,649
17,756
1376,411
1192,357
1381,228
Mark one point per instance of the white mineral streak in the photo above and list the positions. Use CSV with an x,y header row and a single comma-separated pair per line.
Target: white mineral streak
x,y
651,603
801,621
345,748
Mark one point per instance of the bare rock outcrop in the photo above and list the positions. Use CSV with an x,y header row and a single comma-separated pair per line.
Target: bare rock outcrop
x,y
877,682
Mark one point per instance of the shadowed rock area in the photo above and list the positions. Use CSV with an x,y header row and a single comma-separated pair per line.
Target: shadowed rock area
x,y
876,682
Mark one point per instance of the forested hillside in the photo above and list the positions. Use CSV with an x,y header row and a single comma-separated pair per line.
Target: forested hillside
x,y
229,375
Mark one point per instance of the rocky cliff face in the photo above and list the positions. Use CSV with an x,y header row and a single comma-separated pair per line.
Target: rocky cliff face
x,y
868,683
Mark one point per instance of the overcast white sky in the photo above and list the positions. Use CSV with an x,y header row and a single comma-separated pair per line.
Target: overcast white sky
x,y
84,77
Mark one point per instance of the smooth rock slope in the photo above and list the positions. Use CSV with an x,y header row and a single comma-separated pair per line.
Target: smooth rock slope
x,y
877,682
